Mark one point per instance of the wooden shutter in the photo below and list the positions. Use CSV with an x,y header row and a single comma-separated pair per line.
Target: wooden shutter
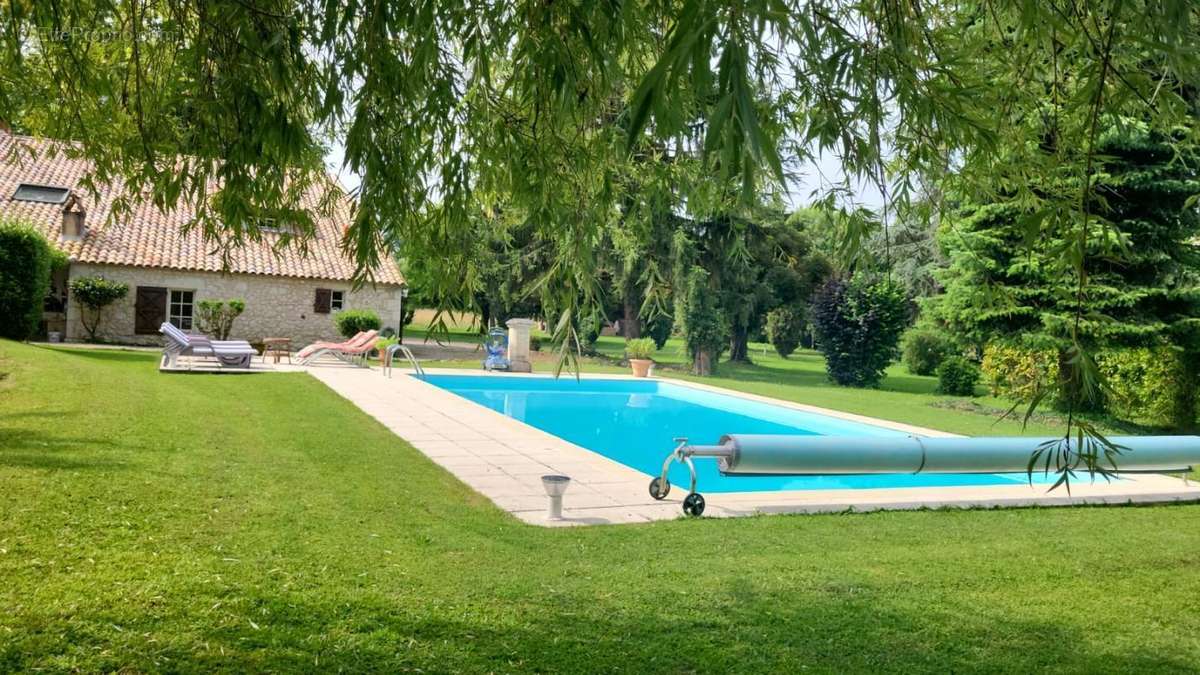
x,y
150,312
322,300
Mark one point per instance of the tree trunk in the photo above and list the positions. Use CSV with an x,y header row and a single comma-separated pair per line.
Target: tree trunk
x,y
406,317
90,326
739,345
702,363
631,325
485,316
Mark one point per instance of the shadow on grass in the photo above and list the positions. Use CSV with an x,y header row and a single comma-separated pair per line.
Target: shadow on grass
x,y
44,448
48,461
830,627
108,355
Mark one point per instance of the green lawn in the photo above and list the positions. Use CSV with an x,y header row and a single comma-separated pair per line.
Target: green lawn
x,y
194,523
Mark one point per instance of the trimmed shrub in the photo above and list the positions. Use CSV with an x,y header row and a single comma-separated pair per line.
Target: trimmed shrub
x,y
351,322
94,294
1151,384
659,329
1017,373
26,260
957,376
924,350
640,348
589,331
785,327
382,344
858,326
215,317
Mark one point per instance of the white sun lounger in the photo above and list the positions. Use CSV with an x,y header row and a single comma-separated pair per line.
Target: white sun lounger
x,y
230,353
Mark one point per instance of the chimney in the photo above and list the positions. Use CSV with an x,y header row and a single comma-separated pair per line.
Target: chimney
x,y
74,219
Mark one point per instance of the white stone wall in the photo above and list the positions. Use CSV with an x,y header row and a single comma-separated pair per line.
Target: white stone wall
x,y
275,306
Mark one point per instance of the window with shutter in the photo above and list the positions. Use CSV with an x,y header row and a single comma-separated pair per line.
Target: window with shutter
x,y
150,310
322,300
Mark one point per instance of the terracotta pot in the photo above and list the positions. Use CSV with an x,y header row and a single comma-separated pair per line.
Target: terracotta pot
x,y
641,367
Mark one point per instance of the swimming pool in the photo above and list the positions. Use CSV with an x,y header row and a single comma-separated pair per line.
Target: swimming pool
x,y
634,421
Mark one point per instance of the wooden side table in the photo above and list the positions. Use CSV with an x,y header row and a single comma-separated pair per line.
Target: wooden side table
x,y
277,347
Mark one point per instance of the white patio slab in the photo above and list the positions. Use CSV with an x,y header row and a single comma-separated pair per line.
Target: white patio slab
x,y
504,459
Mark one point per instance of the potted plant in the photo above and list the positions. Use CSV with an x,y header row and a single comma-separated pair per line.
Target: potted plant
x,y
639,352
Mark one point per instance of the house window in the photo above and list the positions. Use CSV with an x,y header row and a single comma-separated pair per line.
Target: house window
x,y
337,300
179,311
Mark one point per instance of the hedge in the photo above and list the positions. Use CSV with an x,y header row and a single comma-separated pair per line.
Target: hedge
x,y
351,322
1150,384
26,261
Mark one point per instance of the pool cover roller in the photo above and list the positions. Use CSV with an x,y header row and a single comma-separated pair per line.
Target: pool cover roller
x,y
751,454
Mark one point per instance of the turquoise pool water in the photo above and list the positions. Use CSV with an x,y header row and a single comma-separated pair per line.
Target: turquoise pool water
x,y
634,422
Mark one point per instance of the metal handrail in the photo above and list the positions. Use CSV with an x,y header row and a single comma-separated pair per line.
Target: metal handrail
x,y
412,360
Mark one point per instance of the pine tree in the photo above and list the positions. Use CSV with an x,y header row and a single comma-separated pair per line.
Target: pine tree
x,y
1005,279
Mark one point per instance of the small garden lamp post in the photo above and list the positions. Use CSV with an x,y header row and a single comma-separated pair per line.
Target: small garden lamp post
x,y
555,486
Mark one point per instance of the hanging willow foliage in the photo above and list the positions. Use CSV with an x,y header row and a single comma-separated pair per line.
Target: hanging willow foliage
x,y
454,110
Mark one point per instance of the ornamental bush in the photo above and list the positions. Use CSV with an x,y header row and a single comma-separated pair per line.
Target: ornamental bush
x,y
640,348
382,343
924,349
659,329
215,317
858,325
26,260
589,331
1017,373
351,322
957,376
785,327
1155,385
94,294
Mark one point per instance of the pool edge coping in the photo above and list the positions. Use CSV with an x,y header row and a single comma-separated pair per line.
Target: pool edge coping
x,y
620,495
713,389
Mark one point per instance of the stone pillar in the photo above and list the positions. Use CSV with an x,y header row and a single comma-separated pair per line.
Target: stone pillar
x,y
518,345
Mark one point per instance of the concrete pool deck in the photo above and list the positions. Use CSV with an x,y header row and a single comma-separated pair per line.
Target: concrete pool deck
x,y
504,460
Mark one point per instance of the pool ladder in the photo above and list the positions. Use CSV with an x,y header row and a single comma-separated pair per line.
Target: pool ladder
x,y
390,356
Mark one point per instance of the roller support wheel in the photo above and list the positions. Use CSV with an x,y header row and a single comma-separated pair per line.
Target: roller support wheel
x,y
693,504
659,489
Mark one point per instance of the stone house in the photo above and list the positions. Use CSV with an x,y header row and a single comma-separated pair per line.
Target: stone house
x,y
288,293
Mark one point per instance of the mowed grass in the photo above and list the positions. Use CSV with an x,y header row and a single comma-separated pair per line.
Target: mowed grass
x,y
156,522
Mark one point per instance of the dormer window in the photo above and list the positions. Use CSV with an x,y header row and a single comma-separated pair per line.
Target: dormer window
x,y
275,227
42,194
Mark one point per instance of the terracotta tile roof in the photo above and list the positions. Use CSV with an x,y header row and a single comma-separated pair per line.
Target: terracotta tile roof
x,y
147,237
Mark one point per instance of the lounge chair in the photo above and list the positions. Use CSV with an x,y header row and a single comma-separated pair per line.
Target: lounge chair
x,y
231,353
352,351
345,344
